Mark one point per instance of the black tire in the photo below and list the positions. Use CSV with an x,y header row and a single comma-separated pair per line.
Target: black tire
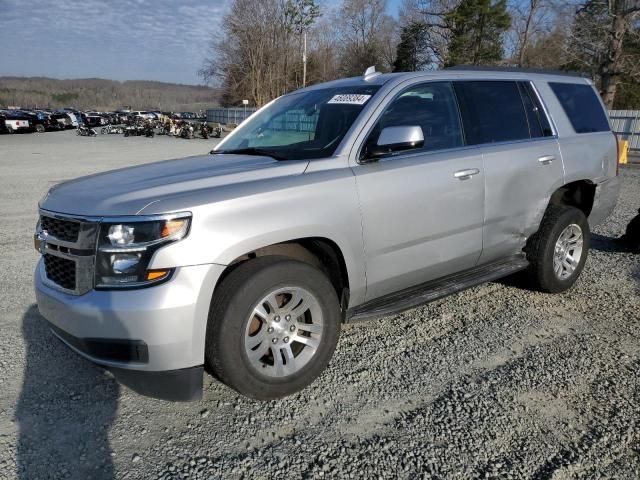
x,y
103,131
541,248
39,128
231,311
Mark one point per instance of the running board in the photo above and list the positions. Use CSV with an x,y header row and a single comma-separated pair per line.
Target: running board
x,y
427,292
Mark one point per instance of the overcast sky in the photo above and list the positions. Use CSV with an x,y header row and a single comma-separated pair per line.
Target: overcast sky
x,y
162,40
165,40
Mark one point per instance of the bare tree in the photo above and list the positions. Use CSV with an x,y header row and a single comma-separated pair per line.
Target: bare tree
x,y
432,14
325,45
254,57
366,32
100,94
597,42
624,12
531,19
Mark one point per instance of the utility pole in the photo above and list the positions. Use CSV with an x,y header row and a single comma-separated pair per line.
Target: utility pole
x,y
303,14
304,61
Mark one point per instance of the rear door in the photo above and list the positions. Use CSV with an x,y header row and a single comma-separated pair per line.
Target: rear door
x,y
521,158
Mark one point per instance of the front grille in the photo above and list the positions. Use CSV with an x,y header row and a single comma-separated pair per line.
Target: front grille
x,y
64,230
60,271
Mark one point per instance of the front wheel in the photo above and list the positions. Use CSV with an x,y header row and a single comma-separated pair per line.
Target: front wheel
x,y
558,251
273,327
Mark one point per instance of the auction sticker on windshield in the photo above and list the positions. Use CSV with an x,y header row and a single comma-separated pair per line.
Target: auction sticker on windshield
x,y
350,99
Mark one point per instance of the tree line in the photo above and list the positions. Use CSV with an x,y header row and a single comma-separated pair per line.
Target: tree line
x,y
100,94
260,51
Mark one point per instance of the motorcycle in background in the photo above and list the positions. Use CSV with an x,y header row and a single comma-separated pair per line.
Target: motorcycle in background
x,y
204,130
111,129
148,130
85,131
186,131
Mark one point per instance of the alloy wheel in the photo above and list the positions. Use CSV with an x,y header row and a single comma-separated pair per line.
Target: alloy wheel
x,y
568,251
283,332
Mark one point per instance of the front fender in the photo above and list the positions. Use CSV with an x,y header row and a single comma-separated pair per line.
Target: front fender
x,y
317,205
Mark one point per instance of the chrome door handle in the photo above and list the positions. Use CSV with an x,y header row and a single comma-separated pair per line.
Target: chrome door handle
x,y
546,159
466,174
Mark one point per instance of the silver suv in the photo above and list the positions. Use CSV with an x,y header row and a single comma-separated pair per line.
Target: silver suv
x,y
352,199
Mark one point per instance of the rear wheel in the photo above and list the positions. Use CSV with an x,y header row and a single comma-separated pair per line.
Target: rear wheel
x,y
40,128
273,327
558,251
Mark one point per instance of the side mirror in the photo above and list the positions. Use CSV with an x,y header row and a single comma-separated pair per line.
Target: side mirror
x,y
396,139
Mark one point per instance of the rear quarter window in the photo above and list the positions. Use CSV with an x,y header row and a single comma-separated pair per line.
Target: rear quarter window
x,y
581,104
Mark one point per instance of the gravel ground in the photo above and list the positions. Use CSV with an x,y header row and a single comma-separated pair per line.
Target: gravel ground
x,y
494,382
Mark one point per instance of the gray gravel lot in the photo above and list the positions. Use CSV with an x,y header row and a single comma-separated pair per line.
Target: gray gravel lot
x,y
494,382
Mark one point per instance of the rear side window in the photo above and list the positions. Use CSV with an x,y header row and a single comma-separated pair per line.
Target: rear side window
x,y
492,111
582,106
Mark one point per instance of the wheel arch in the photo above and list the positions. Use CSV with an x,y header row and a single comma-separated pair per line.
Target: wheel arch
x,y
579,194
321,252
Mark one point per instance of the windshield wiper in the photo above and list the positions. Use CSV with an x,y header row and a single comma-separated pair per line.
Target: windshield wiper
x,y
249,151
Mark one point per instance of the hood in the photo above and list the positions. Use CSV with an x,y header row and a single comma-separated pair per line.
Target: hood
x,y
127,191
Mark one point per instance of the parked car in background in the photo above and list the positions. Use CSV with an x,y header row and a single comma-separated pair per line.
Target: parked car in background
x,y
63,119
40,121
94,120
140,115
4,128
75,117
17,121
343,201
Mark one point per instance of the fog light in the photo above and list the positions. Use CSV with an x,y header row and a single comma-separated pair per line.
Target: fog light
x,y
124,263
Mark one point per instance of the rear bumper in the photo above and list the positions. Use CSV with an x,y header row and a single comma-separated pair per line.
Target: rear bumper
x,y
605,200
149,338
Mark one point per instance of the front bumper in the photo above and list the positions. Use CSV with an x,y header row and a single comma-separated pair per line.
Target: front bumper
x,y
605,200
146,337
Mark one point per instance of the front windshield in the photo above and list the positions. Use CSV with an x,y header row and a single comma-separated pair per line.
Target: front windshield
x,y
303,125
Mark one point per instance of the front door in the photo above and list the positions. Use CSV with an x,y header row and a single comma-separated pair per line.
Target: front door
x,y
422,209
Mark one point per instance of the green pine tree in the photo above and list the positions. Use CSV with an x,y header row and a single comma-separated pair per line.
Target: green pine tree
x,y
477,31
412,51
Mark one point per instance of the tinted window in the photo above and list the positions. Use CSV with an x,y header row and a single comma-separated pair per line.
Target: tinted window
x,y
431,106
582,106
538,123
528,94
491,112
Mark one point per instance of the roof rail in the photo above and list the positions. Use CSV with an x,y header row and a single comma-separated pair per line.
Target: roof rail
x,y
487,68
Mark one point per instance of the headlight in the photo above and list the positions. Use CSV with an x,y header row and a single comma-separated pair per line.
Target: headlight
x,y
125,249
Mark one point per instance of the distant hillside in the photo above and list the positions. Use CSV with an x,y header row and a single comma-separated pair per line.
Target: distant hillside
x,y
100,94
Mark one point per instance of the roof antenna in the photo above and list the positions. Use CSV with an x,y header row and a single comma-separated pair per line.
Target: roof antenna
x,y
370,73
